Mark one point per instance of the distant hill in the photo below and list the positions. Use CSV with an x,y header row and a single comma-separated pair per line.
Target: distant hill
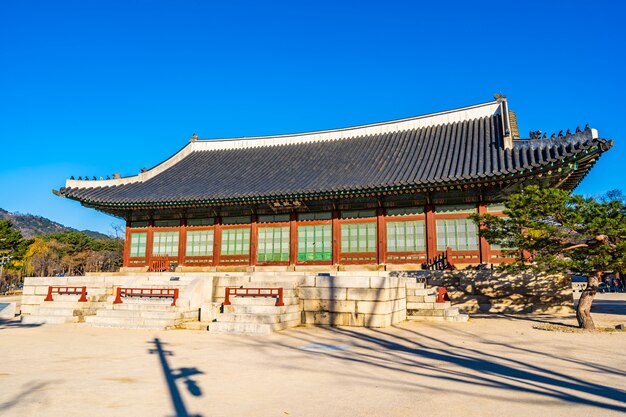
x,y
31,225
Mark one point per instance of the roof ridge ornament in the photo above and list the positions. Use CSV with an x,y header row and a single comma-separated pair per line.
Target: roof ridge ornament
x,y
194,138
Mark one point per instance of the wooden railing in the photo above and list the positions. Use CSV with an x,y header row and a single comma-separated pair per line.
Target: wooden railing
x,y
67,290
159,264
440,262
255,292
146,292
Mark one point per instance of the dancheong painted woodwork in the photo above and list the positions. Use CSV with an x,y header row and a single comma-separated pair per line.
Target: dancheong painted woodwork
x,y
392,193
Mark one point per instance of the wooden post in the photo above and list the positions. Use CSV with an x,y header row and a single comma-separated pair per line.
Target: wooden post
x,y
254,239
483,245
336,237
125,262
381,232
182,241
149,242
293,238
431,232
217,240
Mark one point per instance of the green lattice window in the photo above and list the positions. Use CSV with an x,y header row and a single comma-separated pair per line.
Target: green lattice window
x,y
315,243
138,244
458,234
235,241
199,243
273,244
165,243
406,236
358,237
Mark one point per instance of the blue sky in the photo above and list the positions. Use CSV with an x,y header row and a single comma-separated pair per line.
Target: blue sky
x,y
96,87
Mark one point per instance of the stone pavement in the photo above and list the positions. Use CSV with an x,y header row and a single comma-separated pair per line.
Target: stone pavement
x,y
493,366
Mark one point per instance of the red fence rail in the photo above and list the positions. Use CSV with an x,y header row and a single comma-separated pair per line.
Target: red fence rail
x,y
159,264
255,292
67,290
145,292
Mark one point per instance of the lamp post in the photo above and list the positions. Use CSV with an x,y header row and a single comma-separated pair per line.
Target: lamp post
x,y
3,261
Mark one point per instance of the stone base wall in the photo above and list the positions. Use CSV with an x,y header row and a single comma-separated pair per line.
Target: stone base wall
x,y
36,289
502,292
369,301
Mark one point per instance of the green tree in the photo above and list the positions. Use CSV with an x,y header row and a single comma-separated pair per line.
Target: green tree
x,y
554,231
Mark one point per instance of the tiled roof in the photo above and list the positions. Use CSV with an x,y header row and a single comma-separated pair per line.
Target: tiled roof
x,y
469,150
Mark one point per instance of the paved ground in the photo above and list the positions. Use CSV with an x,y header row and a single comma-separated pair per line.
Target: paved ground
x,y
493,366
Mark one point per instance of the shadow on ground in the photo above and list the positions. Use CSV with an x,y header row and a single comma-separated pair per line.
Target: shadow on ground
x,y
15,323
409,352
172,375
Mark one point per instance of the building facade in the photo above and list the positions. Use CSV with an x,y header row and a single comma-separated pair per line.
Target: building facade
x,y
385,195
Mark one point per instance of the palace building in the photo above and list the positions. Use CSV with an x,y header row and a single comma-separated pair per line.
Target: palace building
x,y
384,195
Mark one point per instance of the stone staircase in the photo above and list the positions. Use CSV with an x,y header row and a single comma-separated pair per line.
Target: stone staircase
x,y
142,313
258,315
421,304
64,309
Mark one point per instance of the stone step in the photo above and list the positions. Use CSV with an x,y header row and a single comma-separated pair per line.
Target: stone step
x,y
33,319
194,325
448,312
420,298
61,311
258,318
169,315
427,306
72,304
458,318
130,306
130,323
256,309
250,328
261,301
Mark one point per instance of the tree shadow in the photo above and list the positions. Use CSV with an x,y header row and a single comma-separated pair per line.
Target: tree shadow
x,y
411,353
172,375
25,394
16,323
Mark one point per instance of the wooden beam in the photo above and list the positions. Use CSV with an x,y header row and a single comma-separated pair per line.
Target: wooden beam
x,y
254,239
483,245
217,240
127,245
336,237
293,238
431,232
381,232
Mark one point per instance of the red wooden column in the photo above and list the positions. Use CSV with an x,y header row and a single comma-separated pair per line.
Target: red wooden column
x,y
149,242
182,241
336,237
485,250
217,240
254,239
381,231
431,232
127,245
293,238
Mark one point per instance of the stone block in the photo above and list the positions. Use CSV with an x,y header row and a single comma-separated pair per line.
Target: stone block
x,y
358,268
32,299
339,306
333,319
377,320
29,290
384,282
424,312
420,306
342,282
368,294
374,307
398,316
313,293
415,285
7,310
398,305
209,311
442,306
40,290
